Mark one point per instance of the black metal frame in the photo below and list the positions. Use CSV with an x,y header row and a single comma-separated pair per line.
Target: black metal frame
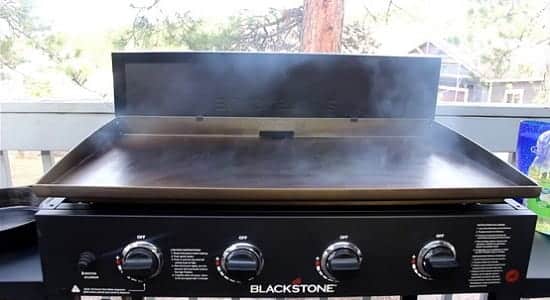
x,y
21,274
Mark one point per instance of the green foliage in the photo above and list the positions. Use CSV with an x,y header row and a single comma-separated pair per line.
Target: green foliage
x,y
496,29
15,22
277,30
358,38
153,28
37,88
24,35
8,54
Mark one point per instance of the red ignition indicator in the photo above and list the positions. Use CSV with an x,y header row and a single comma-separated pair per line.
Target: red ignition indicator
x,y
512,276
317,263
217,262
118,261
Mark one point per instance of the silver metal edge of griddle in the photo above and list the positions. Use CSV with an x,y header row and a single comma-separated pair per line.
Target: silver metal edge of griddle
x,y
248,126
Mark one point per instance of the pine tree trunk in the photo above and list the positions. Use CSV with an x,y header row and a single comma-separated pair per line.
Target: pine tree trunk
x,y
323,20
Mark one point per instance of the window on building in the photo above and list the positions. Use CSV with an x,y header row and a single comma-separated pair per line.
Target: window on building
x,y
452,94
514,96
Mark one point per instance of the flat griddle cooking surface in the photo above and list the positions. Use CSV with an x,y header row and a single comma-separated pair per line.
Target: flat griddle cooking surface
x,y
176,161
330,168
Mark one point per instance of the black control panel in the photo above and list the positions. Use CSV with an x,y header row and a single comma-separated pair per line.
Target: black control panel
x,y
91,250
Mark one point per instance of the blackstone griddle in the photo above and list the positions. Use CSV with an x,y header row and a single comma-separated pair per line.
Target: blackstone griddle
x,y
169,199
279,128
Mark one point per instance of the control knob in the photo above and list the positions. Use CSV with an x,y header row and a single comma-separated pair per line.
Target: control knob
x,y
436,260
140,260
241,262
341,260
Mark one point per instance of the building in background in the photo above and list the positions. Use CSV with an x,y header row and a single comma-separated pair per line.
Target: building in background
x,y
515,91
460,82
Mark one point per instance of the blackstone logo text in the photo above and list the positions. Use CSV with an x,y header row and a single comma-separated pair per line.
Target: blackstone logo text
x,y
292,288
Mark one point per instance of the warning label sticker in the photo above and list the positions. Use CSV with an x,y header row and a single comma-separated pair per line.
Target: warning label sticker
x,y
189,264
490,254
105,291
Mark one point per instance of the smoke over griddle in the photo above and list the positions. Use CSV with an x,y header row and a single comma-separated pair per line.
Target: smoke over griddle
x,y
281,85
233,162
